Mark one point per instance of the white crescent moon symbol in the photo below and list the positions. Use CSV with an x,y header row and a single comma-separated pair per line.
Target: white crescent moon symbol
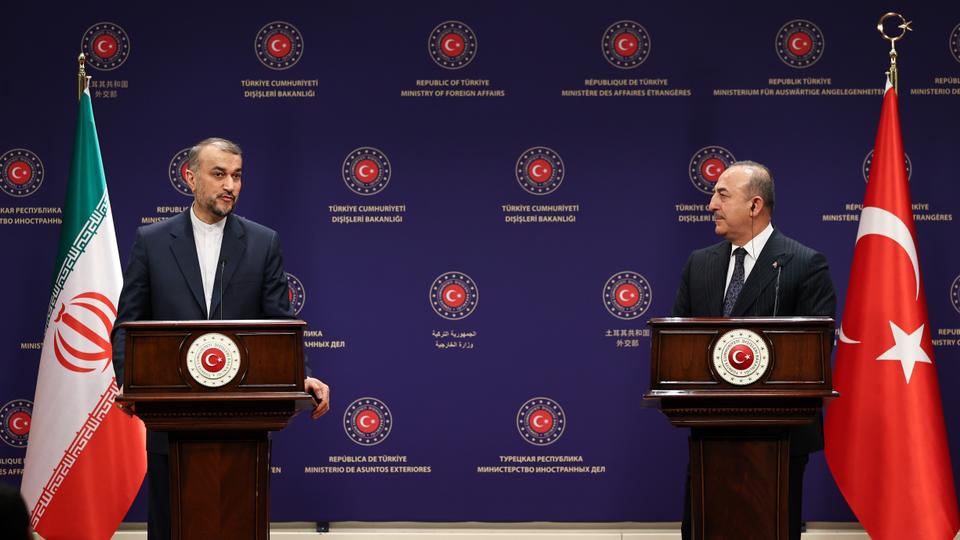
x,y
620,44
17,172
446,44
736,359
710,169
845,339
793,43
363,170
273,45
536,170
363,421
17,423
625,295
875,220
539,421
448,296
207,362
100,46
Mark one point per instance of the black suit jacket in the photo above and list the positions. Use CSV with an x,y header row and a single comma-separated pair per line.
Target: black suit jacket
x,y
162,281
805,290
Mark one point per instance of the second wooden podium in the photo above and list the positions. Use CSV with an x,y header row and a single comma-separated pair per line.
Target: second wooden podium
x,y
217,387
740,384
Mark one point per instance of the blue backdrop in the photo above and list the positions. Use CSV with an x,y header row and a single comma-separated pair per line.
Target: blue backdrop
x,y
552,156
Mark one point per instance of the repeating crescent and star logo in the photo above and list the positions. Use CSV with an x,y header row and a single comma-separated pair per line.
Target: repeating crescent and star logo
x,y
541,421
706,166
105,45
82,327
627,295
22,172
367,421
213,360
540,170
741,357
15,419
626,44
454,295
452,45
279,45
955,293
799,43
177,171
296,293
366,171
955,43
867,161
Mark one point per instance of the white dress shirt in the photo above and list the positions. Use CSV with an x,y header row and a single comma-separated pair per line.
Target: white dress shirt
x,y
754,248
208,238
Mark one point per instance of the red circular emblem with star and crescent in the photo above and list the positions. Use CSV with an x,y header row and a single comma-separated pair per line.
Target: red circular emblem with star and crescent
x,y
296,294
541,421
21,172
452,45
706,166
279,45
799,43
15,419
367,421
366,171
540,170
454,295
213,359
741,357
627,295
626,44
106,46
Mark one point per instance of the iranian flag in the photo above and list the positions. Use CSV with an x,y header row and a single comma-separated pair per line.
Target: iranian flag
x,y
85,457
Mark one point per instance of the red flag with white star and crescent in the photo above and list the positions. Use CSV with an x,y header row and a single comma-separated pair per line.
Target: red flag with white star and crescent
x,y
886,442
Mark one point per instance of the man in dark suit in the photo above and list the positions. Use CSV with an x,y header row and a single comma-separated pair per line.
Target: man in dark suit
x,y
756,271
205,263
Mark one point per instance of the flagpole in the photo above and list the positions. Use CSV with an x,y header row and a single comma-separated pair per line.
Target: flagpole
x,y
83,80
904,26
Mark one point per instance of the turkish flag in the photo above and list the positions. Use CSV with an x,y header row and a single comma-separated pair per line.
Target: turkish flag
x,y
886,444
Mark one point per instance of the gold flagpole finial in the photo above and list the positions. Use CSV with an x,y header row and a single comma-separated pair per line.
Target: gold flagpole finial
x,y
82,79
904,27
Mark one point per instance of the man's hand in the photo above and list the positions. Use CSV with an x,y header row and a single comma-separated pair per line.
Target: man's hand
x,y
321,396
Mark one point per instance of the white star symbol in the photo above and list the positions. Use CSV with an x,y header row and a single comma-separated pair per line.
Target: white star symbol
x,y
906,350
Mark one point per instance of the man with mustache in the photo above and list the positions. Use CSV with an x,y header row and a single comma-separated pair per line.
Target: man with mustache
x,y
756,271
178,270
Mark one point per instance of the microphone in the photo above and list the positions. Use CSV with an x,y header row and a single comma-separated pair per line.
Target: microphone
x,y
778,264
223,265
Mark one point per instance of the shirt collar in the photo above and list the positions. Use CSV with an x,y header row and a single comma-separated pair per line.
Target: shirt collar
x,y
199,224
755,247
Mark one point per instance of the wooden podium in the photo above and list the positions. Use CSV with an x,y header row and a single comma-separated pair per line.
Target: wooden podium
x,y
217,387
740,384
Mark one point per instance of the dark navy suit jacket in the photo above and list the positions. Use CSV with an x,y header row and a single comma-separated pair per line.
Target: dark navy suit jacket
x,y
805,290
162,281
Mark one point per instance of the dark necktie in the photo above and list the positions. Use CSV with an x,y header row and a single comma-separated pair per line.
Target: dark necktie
x,y
736,282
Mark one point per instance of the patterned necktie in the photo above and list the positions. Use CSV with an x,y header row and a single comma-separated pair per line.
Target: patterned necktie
x,y
736,282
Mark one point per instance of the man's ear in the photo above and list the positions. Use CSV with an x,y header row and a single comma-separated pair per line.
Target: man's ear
x,y
190,178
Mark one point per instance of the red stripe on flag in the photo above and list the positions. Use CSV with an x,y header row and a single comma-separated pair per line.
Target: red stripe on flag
x,y
102,483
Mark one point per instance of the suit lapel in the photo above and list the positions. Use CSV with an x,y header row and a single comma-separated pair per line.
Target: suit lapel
x,y
716,276
184,249
231,251
762,274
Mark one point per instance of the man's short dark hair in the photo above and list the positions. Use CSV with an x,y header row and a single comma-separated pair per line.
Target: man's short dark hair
x,y
14,518
761,182
193,158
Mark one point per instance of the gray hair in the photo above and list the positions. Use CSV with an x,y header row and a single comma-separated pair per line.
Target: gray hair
x,y
193,158
761,182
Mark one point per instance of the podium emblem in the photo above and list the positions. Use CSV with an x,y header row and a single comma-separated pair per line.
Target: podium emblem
x,y
213,360
741,357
